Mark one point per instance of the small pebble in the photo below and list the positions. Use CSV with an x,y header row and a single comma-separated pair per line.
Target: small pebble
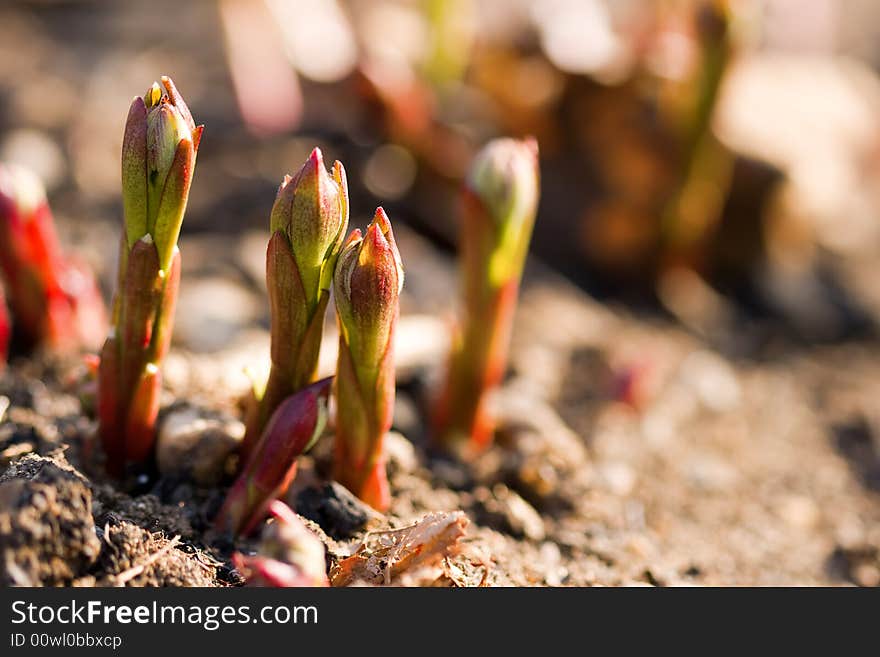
x,y
339,513
197,447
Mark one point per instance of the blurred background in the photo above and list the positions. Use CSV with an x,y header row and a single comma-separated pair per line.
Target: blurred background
x,y
713,162
700,310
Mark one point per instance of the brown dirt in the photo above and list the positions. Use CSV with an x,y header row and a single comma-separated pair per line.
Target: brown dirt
x,y
47,535
727,471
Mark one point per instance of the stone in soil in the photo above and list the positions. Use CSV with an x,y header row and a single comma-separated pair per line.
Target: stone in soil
x,y
197,445
339,513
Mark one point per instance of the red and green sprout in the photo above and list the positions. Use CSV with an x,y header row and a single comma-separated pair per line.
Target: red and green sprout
x,y
308,224
367,285
295,426
158,158
54,300
499,203
289,554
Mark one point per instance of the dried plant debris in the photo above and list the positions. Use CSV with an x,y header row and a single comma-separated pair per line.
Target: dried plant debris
x,y
409,556
132,556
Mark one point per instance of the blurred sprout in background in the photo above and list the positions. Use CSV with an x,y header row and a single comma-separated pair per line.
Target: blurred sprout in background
x,y
730,143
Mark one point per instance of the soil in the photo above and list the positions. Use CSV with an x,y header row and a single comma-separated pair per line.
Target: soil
x,y
628,453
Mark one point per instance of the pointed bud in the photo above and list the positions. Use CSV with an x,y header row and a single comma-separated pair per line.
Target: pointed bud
x,y
158,155
311,209
308,223
172,203
178,102
367,283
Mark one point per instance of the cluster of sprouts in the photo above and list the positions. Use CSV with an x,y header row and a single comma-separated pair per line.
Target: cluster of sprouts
x,y
310,258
